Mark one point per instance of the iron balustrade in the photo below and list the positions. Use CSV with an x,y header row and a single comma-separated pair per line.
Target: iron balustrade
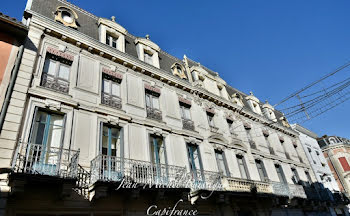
x,y
55,83
45,160
153,113
115,169
111,100
296,191
188,124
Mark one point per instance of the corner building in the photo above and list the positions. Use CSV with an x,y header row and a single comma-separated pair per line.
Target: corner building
x,y
98,105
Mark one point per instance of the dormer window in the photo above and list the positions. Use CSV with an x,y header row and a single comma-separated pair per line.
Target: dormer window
x,y
237,99
112,34
147,51
178,70
111,40
148,57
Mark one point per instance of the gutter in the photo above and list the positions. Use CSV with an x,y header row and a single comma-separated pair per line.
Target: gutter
x,y
11,86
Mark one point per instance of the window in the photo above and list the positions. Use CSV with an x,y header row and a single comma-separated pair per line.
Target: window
x,y
249,135
242,167
229,124
148,57
111,141
158,155
295,177
194,160
185,111
47,129
261,170
210,118
56,73
152,100
308,178
221,163
111,40
111,91
280,173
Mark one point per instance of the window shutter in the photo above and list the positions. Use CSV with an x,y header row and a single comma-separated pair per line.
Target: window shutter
x,y
344,164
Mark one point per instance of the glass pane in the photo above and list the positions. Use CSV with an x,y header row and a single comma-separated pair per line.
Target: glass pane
x,y
148,100
242,168
187,113
155,102
115,146
115,89
64,72
196,158
49,66
148,58
55,131
106,86
107,39
114,43
161,151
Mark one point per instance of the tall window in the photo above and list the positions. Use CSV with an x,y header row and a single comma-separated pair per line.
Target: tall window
x,y
152,100
229,124
111,140
111,91
185,111
56,73
280,173
194,160
242,167
261,170
308,178
221,163
148,57
158,155
111,40
295,177
249,135
47,130
210,117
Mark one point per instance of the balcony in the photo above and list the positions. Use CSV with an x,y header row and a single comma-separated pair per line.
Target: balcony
x,y
154,114
204,180
55,83
188,124
112,101
37,159
272,151
280,189
296,191
245,185
252,144
213,129
114,169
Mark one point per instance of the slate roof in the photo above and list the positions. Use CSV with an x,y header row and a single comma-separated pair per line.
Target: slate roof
x,y
88,25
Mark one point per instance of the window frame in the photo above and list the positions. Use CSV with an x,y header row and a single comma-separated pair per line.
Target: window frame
x,y
226,171
263,176
152,95
243,167
183,107
121,139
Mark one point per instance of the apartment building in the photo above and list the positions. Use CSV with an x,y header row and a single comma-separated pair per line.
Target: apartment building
x,y
107,123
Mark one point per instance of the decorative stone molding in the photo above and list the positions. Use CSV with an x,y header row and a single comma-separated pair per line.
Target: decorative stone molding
x,y
185,101
112,24
58,53
210,110
147,42
112,73
281,138
66,16
265,132
247,126
113,120
53,105
152,89
178,70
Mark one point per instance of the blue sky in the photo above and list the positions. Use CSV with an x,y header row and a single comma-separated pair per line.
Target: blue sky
x,y
272,48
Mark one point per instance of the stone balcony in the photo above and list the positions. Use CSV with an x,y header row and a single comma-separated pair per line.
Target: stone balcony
x,y
288,190
245,185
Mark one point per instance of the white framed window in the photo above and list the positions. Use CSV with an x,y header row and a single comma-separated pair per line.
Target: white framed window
x,y
111,40
152,100
210,118
148,57
185,111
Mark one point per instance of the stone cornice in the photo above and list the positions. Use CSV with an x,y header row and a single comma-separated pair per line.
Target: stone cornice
x,y
84,41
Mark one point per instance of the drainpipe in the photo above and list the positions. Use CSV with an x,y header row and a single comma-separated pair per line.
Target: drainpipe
x,y
11,86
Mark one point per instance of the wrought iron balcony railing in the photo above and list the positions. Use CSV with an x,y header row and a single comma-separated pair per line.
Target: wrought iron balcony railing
x,y
112,101
245,185
203,180
115,169
45,160
296,191
188,124
55,83
280,189
154,114
272,151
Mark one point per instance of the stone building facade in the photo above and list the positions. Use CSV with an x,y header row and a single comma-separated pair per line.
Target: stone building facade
x,y
96,107
337,152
